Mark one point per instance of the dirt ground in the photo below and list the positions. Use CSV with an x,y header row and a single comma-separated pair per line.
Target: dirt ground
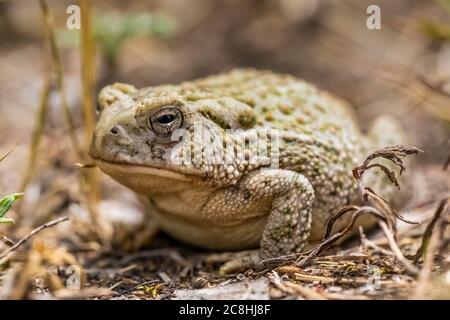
x,y
402,70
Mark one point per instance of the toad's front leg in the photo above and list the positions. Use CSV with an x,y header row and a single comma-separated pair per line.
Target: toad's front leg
x,y
287,195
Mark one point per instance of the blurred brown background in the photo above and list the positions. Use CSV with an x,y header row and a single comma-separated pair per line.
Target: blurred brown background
x,y
403,69
325,42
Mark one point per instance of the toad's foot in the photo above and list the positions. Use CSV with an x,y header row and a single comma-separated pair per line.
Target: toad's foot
x,y
133,238
234,262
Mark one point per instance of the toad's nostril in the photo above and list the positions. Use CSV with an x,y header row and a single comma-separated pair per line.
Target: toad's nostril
x,y
114,130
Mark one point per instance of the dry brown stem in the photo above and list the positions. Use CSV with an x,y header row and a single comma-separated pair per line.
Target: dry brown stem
x,y
5,254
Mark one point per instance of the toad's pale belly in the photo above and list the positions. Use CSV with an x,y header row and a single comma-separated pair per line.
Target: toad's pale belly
x,y
244,234
237,234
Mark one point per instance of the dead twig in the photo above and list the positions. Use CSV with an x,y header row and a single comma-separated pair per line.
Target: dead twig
x,y
6,240
366,243
329,240
392,212
4,255
409,267
447,162
294,289
439,219
433,244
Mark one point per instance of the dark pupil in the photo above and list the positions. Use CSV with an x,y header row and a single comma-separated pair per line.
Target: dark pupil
x,y
165,119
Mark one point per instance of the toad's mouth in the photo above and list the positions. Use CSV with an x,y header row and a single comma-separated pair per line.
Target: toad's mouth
x,y
115,168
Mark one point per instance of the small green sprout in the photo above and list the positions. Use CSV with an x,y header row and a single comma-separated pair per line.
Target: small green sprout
x,y
5,204
113,29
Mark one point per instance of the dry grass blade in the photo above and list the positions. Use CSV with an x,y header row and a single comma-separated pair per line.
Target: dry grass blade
x,y
439,219
6,240
91,177
434,242
37,134
57,66
390,236
447,162
87,70
4,255
85,165
33,276
438,87
294,289
3,157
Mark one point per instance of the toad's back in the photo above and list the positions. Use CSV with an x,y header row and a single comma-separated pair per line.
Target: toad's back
x,y
280,101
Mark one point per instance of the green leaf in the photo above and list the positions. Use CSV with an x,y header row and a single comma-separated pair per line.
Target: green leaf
x,y
436,31
6,204
444,4
7,220
113,29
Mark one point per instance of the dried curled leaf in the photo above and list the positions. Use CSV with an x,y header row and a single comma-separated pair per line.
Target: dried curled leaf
x,y
379,208
392,153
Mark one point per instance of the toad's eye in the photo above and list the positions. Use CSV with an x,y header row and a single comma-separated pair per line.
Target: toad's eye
x,y
166,120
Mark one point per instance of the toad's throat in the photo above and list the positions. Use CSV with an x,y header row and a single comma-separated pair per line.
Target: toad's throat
x,y
114,168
